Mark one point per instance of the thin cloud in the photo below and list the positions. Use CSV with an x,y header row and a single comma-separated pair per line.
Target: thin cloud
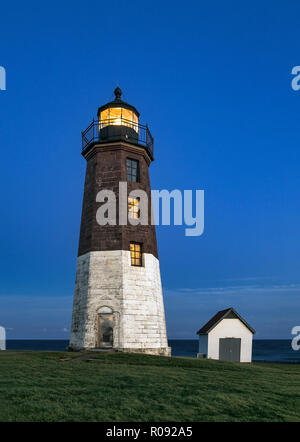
x,y
272,309
241,289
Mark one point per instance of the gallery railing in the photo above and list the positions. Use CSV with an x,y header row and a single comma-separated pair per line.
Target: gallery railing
x,y
117,129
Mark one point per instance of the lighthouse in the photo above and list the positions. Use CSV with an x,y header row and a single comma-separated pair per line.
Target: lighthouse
x,y
118,300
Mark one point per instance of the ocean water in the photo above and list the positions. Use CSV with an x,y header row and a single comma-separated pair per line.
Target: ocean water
x,y
263,350
269,350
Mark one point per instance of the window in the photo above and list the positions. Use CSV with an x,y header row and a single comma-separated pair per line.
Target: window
x,y
118,116
136,254
132,170
133,208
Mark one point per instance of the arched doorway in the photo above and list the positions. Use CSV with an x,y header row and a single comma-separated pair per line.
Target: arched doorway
x,y
105,323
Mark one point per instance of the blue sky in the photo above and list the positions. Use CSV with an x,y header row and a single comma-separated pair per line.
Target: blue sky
x,y
213,81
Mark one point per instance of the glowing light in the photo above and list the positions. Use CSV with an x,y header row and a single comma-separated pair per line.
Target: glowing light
x,y
118,116
135,254
133,208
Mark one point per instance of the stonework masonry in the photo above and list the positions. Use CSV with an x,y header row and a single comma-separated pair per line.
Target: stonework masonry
x,y
106,279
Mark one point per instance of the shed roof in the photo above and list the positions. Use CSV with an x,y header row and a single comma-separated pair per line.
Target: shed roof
x,y
222,314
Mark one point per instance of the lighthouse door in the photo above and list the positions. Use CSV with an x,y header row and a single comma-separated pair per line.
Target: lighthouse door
x,y
105,330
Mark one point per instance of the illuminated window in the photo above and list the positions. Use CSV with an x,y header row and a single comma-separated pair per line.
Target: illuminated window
x,y
136,254
119,116
132,170
133,208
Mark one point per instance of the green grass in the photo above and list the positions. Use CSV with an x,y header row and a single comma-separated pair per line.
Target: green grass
x,y
53,386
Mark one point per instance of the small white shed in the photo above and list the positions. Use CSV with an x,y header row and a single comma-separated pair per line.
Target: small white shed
x,y
2,339
226,336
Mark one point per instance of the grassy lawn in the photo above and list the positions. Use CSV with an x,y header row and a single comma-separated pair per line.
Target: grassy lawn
x,y
56,386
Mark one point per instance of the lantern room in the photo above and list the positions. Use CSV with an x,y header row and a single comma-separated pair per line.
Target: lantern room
x,y
118,119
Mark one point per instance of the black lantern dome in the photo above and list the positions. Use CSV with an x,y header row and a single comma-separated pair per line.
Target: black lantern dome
x,y
117,103
117,121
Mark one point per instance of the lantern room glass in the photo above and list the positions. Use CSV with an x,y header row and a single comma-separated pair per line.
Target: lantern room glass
x,y
119,116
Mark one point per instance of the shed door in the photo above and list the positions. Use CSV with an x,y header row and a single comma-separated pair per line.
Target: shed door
x,y
230,349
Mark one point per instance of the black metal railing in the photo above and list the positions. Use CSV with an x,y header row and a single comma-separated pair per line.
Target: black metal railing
x,y
101,131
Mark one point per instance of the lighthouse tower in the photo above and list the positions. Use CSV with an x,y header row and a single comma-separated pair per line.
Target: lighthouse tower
x,y
118,301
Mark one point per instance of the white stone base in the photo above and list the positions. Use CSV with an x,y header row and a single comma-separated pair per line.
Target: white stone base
x,y
149,351
134,294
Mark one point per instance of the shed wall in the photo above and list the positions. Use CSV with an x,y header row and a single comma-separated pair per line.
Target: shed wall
x,y
203,341
230,328
2,338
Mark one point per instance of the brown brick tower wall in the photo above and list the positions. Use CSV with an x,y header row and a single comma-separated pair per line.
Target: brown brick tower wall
x,y
106,167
